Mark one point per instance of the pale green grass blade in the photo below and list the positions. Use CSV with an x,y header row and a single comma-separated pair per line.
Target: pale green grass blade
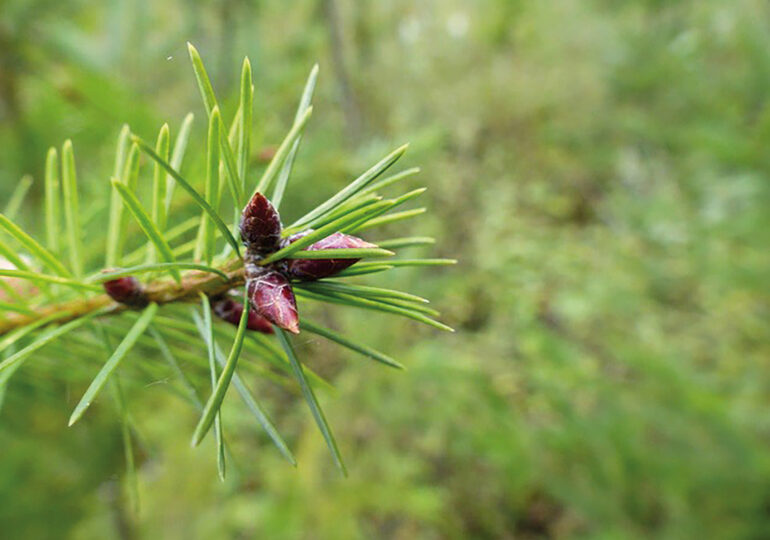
x,y
194,194
20,333
409,196
34,248
121,150
346,291
392,179
350,344
244,135
213,192
366,291
413,311
15,308
155,267
52,200
43,279
386,220
114,361
280,155
202,78
113,230
285,172
351,205
233,136
116,227
180,229
170,235
208,336
231,168
210,102
130,174
364,223
146,224
225,177
13,337
315,407
204,248
357,270
351,253
410,241
251,403
177,155
260,415
366,303
12,256
263,346
412,262
234,133
185,249
351,189
422,308
72,209
17,197
159,189
215,401
42,340
130,178
323,232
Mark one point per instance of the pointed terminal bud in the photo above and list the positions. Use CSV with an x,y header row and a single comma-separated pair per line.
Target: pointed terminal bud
x,y
260,225
312,269
126,290
231,311
271,296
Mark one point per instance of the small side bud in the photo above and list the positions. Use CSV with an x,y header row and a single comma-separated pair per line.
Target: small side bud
x,y
312,269
126,290
260,225
271,296
231,311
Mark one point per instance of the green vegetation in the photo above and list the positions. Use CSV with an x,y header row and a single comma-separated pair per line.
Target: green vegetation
x,y
599,169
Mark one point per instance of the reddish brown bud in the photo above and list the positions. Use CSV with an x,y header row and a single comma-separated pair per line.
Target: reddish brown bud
x,y
126,290
311,269
231,311
271,296
260,225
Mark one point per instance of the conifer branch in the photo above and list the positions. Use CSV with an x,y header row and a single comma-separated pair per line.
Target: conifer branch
x,y
270,262
160,292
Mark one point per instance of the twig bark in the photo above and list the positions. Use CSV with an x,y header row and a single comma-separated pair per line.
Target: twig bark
x,y
160,292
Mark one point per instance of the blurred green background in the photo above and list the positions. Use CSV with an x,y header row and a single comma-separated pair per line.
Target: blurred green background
x,y
600,169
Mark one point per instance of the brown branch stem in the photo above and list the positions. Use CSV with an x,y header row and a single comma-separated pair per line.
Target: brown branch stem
x,y
160,292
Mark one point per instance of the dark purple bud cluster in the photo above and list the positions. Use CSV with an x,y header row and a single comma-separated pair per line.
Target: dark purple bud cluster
x,y
311,269
269,286
260,226
126,290
272,296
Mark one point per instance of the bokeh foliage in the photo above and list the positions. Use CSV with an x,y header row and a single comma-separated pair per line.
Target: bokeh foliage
x,y
599,168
